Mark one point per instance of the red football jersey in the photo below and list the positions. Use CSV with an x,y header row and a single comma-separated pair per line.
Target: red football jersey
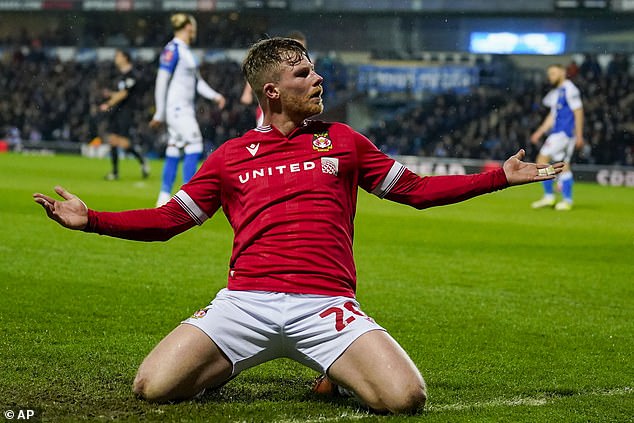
x,y
291,202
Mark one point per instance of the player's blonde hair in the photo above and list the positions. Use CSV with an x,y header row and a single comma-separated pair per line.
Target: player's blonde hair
x,y
556,65
180,20
265,59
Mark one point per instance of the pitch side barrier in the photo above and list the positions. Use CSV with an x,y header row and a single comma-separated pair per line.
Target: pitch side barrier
x,y
600,174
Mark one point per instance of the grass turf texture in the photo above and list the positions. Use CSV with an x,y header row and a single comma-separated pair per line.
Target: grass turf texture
x,y
511,314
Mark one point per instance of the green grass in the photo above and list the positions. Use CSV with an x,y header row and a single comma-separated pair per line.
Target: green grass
x,y
511,314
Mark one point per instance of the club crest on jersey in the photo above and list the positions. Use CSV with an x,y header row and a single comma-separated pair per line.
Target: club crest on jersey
x,y
321,142
200,314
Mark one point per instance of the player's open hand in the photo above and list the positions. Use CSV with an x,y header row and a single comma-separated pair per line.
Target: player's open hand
x,y
519,172
221,101
71,213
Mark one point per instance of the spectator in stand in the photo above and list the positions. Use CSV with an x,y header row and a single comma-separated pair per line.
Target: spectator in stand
x,y
572,70
590,68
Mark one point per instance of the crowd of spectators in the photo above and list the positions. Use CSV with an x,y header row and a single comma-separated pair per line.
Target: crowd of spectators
x,y
493,122
130,30
48,99
53,100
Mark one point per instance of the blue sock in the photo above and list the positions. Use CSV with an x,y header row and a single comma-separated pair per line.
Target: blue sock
x,y
566,186
169,173
190,165
548,187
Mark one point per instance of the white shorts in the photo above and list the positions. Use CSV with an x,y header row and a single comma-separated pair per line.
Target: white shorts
x,y
183,132
252,327
559,147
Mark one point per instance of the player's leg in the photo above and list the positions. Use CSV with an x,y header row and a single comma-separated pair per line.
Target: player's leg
x,y
172,157
193,152
190,165
566,178
175,133
238,330
170,168
134,149
381,374
114,158
334,335
183,364
544,157
118,138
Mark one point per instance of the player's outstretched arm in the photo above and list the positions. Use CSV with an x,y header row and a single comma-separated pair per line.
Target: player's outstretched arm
x,y
71,213
518,172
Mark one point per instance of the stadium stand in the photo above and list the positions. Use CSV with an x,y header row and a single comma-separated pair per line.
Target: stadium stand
x,y
48,100
494,120
62,105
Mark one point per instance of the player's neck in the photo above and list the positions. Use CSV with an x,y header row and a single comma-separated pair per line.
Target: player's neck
x,y
182,37
125,69
281,123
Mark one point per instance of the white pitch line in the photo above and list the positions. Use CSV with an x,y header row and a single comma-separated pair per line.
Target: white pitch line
x,y
498,402
351,416
529,401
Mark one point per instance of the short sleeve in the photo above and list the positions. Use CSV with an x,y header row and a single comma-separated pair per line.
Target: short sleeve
x,y
573,97
550,100
169,58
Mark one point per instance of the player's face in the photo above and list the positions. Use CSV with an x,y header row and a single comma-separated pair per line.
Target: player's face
x,y
119,60
556,75
301,89
192,32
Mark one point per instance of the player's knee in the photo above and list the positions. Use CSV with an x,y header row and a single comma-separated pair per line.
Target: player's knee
x,y
148,388
407,400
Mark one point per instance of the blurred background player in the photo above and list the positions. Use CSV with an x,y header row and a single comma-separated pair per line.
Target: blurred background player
x,y
565,123
121,104
247,93
177,82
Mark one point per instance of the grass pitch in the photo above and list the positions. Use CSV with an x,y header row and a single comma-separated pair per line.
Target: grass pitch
x,y
511,314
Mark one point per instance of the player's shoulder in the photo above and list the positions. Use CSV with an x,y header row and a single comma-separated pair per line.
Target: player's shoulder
x,y
169,56
170,46
248,137
550,99
570,86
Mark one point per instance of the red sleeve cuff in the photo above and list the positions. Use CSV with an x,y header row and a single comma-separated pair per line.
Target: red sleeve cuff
x,y
92,221
499,179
